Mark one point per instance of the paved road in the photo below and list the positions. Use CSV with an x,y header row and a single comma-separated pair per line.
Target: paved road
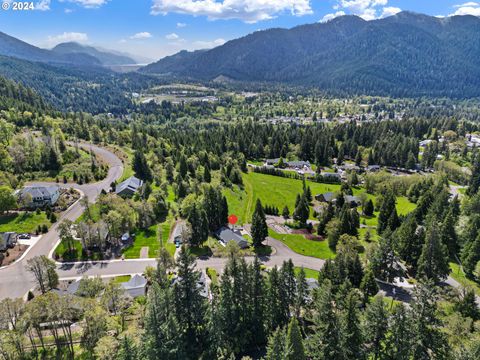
x,y
15,281
136,266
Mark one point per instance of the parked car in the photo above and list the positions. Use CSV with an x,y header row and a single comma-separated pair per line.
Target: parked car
x,y
24,236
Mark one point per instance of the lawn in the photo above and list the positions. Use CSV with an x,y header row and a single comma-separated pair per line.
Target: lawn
x,y
279,191
23,222
303,246
148,238
271,190
309,273
64,254
121,279
94,210
458,274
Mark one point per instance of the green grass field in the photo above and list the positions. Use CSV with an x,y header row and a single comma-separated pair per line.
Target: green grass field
x,y
309,273
148,238
271,190
121,279
303,246
23,222
458,274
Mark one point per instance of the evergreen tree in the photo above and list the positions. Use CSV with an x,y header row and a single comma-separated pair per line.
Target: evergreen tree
x,y
276,349
368,209
259,225
127,350
383,262
207,177
199,225
433,261
140,166
368,286
190,307
294,342
399,341
286,212
388,213
474,184
376,326
448,234
302,211
162,331
351,333
410,239
428,341
324,343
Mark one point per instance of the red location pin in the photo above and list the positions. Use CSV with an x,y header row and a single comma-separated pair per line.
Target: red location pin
x,y
232,219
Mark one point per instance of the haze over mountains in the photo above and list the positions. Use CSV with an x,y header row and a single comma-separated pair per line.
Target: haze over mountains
x,y
403,55
64,53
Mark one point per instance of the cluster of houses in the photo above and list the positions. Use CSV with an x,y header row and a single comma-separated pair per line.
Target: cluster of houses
x,y
472,140
135,287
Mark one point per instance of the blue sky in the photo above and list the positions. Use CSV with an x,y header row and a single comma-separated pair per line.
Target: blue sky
x,y
156,28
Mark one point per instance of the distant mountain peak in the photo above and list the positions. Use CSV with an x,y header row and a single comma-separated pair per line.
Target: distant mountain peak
x,y
407,53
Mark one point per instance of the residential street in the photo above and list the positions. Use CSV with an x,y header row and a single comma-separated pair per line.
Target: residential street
x,y
15,280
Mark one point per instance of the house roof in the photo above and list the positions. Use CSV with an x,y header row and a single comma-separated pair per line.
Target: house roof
x,y
137,281
350,199
272,161
298,163
178,231
39,191
330,174
226,235
132,184
8,236
328,196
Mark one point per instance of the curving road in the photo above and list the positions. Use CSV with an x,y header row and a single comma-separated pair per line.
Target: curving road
x,y
15,280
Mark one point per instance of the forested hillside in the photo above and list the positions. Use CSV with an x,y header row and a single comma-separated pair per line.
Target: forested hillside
x,y
404,55
70,88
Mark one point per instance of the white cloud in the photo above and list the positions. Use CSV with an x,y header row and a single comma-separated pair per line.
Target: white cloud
x,y
67,37
43,5
68,11
172,36
470,3
141,35
389,11
469,8
249,11
89,4
366,9
208,44
332,16
181,25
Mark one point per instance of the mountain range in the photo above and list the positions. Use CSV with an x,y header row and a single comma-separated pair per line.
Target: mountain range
x,y
407,54
65,53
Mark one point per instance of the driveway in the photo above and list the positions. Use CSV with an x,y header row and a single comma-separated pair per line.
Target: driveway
x,y
15,280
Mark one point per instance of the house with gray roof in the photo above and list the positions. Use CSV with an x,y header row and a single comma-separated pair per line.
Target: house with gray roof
x,y
179,233
136,286
325,197
128,187
7,239
225,235
39,196
354,201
